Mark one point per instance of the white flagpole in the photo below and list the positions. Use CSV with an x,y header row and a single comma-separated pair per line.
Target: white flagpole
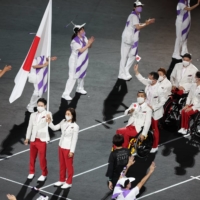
x,y
49,53
49,57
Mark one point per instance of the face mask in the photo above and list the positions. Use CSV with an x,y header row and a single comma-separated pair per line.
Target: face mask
x,y
161,78
68,117
140,100
138,9
150,81
186,63
40,108
83,34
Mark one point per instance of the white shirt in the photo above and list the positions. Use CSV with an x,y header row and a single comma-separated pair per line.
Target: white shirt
x,y
194,97
166,86
37,119
185,80
69,135
155,97
128,35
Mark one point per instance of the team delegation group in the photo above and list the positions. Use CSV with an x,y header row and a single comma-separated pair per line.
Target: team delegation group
x,y
146,112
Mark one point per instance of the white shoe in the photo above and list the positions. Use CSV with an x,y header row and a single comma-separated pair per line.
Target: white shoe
x,y
42,178
59,183
30,176
184,132
66,97
181,130
153,150
66,185
82,91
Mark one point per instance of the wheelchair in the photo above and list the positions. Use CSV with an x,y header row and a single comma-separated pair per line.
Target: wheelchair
x,y
138,148
172,108
195,125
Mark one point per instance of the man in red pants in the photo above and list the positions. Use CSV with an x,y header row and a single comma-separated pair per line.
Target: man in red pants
x,y
38,135
140,115
155,100
192,105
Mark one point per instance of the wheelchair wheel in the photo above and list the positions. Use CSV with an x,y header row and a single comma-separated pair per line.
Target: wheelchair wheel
x,y
195,128
142,149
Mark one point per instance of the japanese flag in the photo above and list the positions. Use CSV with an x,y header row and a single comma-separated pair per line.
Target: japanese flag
x,y
138,58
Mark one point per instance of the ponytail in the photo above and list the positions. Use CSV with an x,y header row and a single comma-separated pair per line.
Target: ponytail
x,y
73,36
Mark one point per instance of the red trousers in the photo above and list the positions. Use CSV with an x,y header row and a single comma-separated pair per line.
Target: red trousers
x,y
38,147
177,91
127,132
185,117
156,134
66,165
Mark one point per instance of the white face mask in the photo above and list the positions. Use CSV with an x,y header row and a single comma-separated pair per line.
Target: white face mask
x,y
150,81
186,63
40,108
68,117
140,100
161,78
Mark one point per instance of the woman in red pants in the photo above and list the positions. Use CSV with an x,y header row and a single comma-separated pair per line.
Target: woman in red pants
x,y
192,105
67,146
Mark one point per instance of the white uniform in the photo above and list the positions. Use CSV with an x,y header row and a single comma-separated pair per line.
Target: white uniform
x,y
78,63
194,97
40,85
183,24
121,194
141,117
129,45
37,127
69,135
167,87
155,97
183,76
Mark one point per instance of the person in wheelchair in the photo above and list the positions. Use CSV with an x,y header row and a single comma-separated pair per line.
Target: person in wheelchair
x,y
192,105
118,159
183,75
155,100
140,116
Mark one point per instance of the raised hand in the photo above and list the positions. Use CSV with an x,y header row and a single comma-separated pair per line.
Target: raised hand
x,y
7,68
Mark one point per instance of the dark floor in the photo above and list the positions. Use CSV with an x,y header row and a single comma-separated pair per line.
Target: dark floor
x,y
107,98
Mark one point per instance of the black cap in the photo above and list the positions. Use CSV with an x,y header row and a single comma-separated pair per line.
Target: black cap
x,y
187,55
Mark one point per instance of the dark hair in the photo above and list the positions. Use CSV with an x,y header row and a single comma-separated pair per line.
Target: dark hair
x,y
118,140
187,55
73,112
125,183
162,70
155,75
76,30
142,91
43,100
198,74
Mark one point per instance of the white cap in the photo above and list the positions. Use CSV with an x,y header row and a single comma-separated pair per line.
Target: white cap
x,y
138,3
123,180
78,26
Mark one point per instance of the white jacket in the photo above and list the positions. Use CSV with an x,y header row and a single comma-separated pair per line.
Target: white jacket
x,y
155,97
140,117
194,97
69,135
167,87
38,128
185,80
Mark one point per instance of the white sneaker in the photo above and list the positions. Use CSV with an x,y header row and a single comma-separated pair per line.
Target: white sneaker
x,y
42,178
66,185
59,183
82,91
181,130
184,132
66,97
30,176
153,150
